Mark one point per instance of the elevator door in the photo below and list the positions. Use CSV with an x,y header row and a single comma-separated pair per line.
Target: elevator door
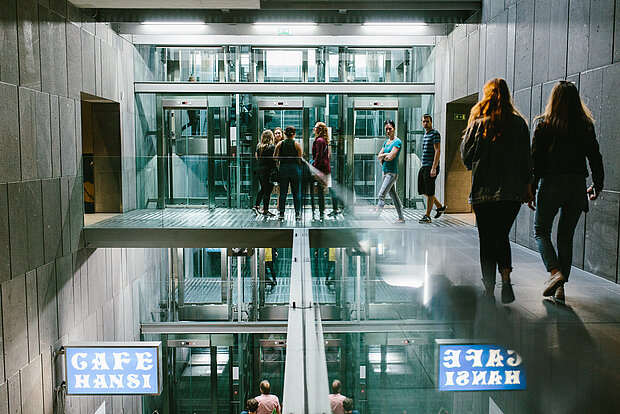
x,y
368,139
197,149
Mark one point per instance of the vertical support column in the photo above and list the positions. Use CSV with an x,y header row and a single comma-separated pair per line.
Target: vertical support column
x,y
371,277
238,145
401,132
254,270
358,287
214,393
240,261
261,277
306,135
343,282
161,155
210,157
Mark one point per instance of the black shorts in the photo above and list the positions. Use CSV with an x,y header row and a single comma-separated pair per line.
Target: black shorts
x,y
426,183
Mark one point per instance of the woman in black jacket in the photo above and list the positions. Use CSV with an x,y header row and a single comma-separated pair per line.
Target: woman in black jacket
x,y
266,163
496,147
563,139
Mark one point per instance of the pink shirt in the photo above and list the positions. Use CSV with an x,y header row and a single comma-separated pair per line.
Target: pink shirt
x,y
335,400
267,402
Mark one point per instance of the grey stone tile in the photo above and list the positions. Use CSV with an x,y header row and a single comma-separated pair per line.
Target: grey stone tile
x,y
609,135
558,38
601,39
5,250
4,397
578,34
88,62
43,135
10,167
482,58
55,132
53,52
119,322
591,91
15,399
472,62
64,289
108,321
34,211
67,137
98,67
33,314
579,241
524,44
48,385
78,138
460,65
65,216
32,387
491,63
537,104
96,279
52,220
501,44
542,20
511,34
74,60
76,211
18,228
9,64
27,133
15,325
74,14
617,33
28,44
601,244
48,307
59,6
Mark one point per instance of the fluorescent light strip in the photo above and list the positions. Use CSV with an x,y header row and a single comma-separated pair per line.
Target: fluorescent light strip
x,y
174,23
280,24
395,24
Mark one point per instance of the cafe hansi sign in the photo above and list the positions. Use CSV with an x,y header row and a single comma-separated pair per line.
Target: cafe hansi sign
x,y
114,368
480,367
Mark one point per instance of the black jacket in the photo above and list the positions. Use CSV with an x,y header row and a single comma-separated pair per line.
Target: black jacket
x,y
564,153
501,167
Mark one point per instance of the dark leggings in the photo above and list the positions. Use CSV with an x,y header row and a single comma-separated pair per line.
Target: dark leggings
x,y
266,187
494,221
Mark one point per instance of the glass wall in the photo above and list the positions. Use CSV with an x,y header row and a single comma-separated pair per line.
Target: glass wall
x,y
310,64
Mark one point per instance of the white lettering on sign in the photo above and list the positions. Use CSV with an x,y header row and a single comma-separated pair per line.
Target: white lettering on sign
x,y
81,365
120,358
81,381
462,378
495,358
495,378
99,382
515,360
142,360
116,380
99,362
449,376
512,377
132,381
474,355
480,378
451,359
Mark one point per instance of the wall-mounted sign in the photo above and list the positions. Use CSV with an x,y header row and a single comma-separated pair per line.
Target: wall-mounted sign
x,y
114,368
479,367
460,117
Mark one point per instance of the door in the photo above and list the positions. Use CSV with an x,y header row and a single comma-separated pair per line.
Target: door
x,y
196,153
368,138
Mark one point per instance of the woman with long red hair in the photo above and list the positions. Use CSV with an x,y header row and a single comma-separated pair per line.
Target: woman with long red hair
x,y
496,148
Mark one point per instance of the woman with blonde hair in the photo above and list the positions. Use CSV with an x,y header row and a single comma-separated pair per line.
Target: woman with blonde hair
x,y
496,148
564,137
321,155
266,163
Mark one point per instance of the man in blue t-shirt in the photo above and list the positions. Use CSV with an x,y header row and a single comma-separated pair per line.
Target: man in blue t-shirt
x,y
388,157
430,168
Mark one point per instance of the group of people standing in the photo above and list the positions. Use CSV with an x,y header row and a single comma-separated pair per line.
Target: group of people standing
x,y
507,173
280,161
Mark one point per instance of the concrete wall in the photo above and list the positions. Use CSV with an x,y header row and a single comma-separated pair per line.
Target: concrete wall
x,y
533,44
52,291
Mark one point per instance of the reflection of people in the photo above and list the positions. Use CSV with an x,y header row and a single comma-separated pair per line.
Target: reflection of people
x,y
336,399
430,169
270,254
266,163
278,135
496,147
331,266
251,405
267,402
289,153
320,161
347,404
388,156
194,117
563,139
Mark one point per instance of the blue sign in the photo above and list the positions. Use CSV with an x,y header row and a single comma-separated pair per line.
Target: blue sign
x,y
479,367
114,368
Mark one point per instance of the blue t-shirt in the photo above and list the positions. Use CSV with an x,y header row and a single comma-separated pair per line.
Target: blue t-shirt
x,y
391,166
428,148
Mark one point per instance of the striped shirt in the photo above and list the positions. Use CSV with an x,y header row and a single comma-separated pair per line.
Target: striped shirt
x,y
428,149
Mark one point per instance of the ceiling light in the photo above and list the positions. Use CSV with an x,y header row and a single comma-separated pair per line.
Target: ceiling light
x,y
174,23
395,24
284,23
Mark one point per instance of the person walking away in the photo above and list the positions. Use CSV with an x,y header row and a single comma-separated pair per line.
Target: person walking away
x,y
331,266
496,148
320,161
388,157
431,149
347,404
564,137
270,254
288,153
267,402
266,163
336,399
278,136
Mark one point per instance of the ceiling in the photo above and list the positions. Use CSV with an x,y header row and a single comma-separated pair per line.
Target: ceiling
x,y
250,11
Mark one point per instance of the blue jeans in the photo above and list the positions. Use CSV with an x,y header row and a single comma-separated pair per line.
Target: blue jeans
x,y
565,194
290,174
389,186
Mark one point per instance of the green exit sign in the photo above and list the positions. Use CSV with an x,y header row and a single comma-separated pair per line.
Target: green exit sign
x,y
459,117
284,31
